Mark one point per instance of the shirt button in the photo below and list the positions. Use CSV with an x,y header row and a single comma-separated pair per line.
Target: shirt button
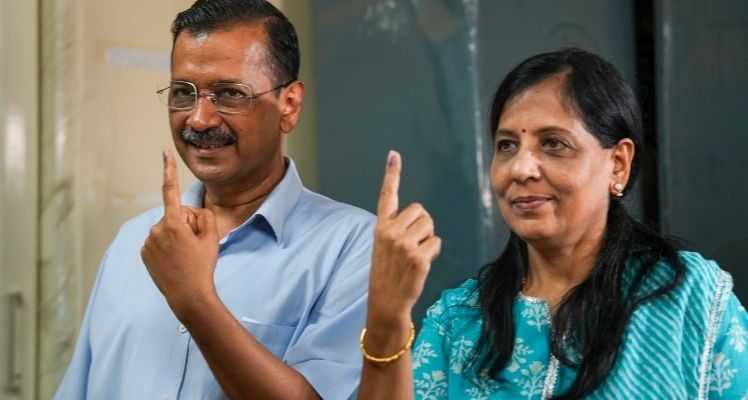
x,y
182,329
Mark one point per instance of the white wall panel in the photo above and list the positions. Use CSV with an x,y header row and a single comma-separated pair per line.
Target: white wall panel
x,y
18,197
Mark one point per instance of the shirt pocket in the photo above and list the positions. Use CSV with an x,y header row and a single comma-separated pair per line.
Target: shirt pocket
x,y
274,337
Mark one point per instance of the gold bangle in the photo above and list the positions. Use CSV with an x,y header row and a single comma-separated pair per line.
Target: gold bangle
x,y
386,360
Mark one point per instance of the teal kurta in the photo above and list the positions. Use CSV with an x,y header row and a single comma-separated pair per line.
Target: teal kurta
x,y
689,344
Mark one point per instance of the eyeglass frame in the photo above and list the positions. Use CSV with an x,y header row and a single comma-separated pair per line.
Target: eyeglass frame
x,y
212,95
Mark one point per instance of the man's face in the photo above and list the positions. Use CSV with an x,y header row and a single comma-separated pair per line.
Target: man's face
x,y
227,149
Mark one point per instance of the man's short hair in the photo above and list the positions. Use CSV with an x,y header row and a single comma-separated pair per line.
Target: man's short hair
x,y
206,16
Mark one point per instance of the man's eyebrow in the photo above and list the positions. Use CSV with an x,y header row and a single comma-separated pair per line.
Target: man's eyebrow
x,y
211,83
227,81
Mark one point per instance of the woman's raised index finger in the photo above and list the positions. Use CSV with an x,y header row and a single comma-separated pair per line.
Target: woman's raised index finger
x,y
388,197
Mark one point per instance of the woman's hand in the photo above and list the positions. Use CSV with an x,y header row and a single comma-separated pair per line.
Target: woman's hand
x,y
404,247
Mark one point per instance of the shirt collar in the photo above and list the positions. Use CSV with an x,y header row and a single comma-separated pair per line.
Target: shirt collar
x,y
275,209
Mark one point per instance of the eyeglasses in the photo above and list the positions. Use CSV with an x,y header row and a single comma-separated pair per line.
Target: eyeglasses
x,y
228,98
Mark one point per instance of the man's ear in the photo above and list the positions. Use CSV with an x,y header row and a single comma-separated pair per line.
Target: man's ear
x,y
290,101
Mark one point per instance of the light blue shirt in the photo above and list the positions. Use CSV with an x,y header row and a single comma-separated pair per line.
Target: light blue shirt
x,y
295,274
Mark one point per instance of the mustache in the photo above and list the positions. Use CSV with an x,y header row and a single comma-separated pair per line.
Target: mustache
x,y
210,136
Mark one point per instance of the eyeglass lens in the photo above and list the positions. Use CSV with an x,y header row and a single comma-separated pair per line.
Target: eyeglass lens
x,y
226,96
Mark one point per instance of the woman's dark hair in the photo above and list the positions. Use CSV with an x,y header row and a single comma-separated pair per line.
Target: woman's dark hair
x,y
588,325
283,44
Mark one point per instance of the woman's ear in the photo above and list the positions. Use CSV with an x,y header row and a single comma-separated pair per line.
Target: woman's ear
x,y
290,102
623,157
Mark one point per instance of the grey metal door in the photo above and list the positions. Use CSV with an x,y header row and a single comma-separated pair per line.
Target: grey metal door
x,y
702,80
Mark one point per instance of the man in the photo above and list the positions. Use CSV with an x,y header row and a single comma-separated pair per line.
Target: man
x,y
253,287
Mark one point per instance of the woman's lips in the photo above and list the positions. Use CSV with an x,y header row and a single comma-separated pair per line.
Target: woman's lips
x,y
529,202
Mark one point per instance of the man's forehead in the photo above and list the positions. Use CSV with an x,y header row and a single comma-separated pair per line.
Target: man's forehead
x,y
248,40
201,37
239,46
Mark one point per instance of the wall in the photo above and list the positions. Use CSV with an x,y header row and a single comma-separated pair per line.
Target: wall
x,y
19,133
702,77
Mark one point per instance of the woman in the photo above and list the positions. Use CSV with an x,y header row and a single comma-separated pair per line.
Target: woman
x,y
584,301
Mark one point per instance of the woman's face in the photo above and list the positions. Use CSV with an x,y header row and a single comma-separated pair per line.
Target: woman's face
x,y
552,177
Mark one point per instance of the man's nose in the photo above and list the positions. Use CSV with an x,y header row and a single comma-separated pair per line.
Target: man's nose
x,y
204,115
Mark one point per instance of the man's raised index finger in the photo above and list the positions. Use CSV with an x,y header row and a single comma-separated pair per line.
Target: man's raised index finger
x,y
170,188
388,198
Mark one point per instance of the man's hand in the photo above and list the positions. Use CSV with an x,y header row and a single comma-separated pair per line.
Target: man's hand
x,y
181,251
404,247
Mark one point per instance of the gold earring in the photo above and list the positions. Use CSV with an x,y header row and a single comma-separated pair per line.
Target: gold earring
x,y
618,190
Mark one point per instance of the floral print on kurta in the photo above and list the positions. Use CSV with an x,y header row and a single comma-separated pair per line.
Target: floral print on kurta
x,y
443,366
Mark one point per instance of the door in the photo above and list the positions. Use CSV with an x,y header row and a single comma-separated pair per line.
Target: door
x,y
702,85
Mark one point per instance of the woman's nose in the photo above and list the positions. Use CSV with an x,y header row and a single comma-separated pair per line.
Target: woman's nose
x,y
525,166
